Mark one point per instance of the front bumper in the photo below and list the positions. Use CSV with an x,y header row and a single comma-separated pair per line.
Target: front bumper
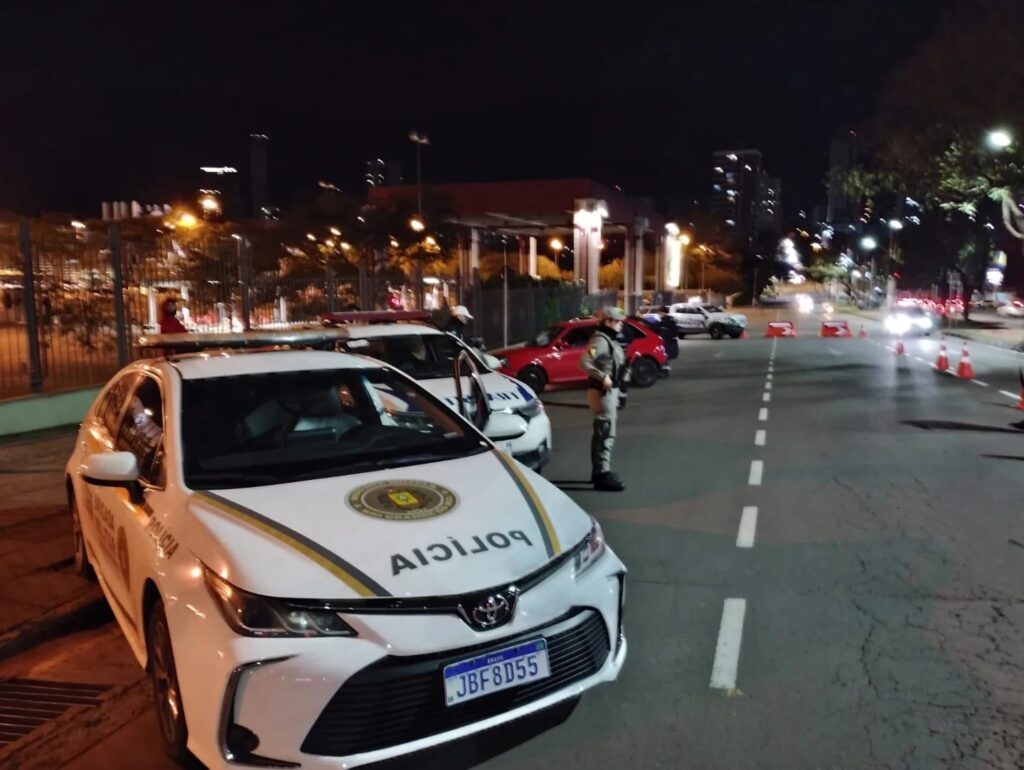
x,y
294,695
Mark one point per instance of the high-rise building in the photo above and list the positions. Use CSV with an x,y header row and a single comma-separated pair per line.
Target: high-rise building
x,y
735,193
769,204
379,172
843,209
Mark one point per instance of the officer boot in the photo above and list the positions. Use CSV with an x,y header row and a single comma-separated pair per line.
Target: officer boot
x,y
608,482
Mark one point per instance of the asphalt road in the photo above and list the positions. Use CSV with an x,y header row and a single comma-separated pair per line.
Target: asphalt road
x,y
868,614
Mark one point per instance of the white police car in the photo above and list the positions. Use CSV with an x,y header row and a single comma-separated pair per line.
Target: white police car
x,y
427,354
693,318
322,566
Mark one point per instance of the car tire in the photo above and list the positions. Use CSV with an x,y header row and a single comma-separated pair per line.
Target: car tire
x,y
644,372
534,377
736,335
163,676
82,566
716,332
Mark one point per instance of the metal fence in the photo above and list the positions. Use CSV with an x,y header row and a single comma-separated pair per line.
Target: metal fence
x,y
73,303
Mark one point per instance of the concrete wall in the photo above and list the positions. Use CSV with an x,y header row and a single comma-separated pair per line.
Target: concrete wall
x,y
22,415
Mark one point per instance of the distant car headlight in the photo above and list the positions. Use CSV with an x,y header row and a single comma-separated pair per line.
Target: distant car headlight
x,y
590,550
897,324
531,409
924,322
252,615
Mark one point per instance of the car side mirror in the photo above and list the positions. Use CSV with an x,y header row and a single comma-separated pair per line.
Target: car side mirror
x,y
502,426
114,469
491,362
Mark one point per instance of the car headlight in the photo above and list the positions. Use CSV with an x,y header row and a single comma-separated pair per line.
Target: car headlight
x,y
924,323
590,550
531,408
252,615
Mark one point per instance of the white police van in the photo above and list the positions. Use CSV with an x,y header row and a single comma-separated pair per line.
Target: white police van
x,y
427,355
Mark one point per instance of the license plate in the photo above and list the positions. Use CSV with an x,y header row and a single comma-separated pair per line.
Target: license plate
x,y
496,671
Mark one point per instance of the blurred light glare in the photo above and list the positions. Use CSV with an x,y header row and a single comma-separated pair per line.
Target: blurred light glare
x,y
895,224
187,220
999,139
417,225
868,243
555,244
335,231
77,225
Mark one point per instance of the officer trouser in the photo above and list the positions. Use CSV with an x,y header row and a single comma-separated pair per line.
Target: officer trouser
x,y
605,407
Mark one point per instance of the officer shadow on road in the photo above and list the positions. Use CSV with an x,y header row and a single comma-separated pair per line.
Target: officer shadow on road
x,y
476,749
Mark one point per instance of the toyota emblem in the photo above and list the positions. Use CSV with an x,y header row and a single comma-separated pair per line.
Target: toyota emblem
x,y
492,611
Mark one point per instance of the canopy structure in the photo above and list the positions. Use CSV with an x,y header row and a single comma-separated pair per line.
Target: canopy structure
x,y
534,210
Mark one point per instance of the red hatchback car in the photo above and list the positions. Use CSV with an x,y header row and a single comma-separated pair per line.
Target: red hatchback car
x,y
553,356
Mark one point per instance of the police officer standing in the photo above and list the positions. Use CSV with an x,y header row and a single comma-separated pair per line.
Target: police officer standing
x,y
605,365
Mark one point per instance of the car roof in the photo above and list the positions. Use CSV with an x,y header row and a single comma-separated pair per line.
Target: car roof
x,y
229,363
370,331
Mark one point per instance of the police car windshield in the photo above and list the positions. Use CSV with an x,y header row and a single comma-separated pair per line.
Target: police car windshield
x,y
421,356
279,427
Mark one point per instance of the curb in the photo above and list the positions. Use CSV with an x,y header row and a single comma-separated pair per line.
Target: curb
x,y
76,731
1012,347
88,609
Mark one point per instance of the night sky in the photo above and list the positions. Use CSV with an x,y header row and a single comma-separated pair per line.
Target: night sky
x,y
102,104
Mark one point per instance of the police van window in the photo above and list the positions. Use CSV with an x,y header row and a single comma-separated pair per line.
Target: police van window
x,y
142,430
110,407
574,338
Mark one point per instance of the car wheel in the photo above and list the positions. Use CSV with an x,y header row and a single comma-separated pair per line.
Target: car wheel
x,y
736,335
82,566
644,372
716,332
164,676
534,377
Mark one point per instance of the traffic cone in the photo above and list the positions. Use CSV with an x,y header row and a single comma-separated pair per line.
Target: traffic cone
x,y
964,370
744,335
1020,404
899,349
942,362
862,333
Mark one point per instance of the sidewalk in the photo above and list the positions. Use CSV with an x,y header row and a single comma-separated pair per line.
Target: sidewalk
x,y
38,590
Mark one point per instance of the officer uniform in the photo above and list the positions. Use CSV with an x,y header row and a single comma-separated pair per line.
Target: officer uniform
x,y
604,358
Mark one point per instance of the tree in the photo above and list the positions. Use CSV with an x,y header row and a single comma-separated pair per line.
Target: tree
x,y
930,129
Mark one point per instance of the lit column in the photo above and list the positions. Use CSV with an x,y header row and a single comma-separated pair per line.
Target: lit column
x,y
673,256
587,221
533,257
474,251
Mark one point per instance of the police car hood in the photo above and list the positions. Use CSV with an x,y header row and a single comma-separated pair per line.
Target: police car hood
x,y
436,529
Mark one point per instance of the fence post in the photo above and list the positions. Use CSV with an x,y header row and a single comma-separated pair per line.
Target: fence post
x,y
244,265
116,265
29,301
331,292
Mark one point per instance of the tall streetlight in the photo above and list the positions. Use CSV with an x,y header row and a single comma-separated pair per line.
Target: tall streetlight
x,y
869,244
421,141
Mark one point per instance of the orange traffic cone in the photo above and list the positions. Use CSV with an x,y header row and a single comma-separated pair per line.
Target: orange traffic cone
x,y
1020,404
964,370
942,362
744,335
899,349
862,332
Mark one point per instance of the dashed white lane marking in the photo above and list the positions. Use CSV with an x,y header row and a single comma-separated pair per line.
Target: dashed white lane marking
x,y
756,473
920,360
770,375
979,382
763,415
768,386
727,651
835,352
1008,394
760,437
748,527
766,397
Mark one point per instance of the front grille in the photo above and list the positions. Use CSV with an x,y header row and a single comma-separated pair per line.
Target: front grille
x,y
401,699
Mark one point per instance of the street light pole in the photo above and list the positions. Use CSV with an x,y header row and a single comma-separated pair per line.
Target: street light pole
x,y
420,140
